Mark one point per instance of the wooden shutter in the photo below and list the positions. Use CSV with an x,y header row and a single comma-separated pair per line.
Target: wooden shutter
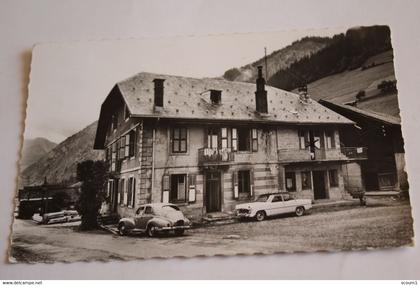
x,y
234,139
192,188
235,185
254,140
166,188
251,182
134,193
127,145
281,179
118,186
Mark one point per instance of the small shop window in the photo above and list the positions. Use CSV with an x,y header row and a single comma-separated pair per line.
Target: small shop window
x,y
290,182
178,190
333,176
179,140
306,180
244,181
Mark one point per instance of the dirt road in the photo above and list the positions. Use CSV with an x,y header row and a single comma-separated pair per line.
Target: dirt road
x,y
341,229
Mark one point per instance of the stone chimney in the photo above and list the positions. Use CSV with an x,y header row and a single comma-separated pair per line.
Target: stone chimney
x,y
158,92
303,94
261,93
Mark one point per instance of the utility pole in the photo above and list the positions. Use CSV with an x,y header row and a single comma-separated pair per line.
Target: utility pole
x,y
265,60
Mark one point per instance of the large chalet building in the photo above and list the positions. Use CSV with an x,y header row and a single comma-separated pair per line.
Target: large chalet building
x,y
209,144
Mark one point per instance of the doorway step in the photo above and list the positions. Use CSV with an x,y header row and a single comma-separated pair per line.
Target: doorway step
x,y
219,218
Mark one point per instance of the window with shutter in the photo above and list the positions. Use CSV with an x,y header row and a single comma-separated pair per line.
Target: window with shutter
x,y
178,188
244,181
179,140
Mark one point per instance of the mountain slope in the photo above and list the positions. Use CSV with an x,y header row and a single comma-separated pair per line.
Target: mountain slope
x,y
279,59
345,52
59,165
343,87
34,149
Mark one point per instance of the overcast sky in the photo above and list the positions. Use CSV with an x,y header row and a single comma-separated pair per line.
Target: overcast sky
x,y
69,81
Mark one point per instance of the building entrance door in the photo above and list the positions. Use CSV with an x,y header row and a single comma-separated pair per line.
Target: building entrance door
x,y
320,191
213,195
114,195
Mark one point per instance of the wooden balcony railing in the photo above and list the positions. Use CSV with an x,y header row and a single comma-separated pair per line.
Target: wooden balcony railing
x,y
215,156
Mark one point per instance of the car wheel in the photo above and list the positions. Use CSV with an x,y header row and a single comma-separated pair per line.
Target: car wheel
x,y
179,232
260,216
151,230
299,211
122,229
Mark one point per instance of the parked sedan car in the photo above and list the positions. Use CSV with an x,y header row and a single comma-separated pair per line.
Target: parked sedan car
x,y
273,204
155,218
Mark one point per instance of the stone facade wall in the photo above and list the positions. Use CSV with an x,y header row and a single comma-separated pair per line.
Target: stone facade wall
x,y
267,174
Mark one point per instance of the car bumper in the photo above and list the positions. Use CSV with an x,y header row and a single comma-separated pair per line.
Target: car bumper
x,y
163,229
243,214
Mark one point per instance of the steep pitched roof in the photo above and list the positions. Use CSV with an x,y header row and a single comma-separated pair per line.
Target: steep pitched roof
x,y
188,98
379,117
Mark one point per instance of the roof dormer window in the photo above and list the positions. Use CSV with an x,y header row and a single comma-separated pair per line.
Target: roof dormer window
x,y
215,96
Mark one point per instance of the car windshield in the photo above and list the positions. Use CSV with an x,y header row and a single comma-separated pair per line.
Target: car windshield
x,y
167,209
262,198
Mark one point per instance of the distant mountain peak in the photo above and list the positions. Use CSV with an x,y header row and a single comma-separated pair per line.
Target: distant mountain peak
x,y
34,149
59,164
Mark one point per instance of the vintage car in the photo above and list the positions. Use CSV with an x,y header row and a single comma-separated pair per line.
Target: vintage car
x,y
155,218
273,204
64,216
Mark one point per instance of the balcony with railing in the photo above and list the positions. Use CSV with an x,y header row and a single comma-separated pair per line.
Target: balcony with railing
x,y
215,156
302,155
355,152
